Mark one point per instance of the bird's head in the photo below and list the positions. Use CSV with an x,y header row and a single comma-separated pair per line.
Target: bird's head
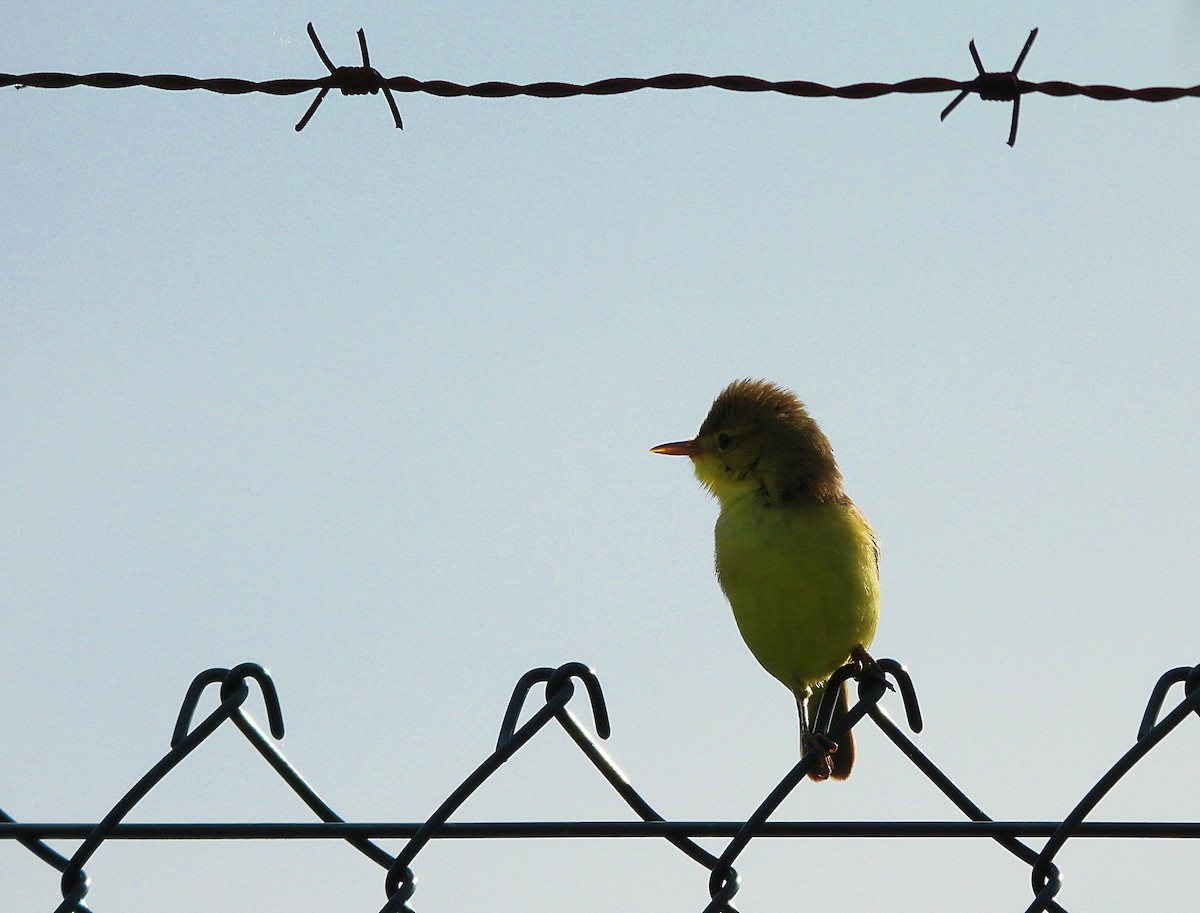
x,y
758,438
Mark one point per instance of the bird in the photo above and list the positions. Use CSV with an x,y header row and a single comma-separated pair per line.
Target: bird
x,y
796,559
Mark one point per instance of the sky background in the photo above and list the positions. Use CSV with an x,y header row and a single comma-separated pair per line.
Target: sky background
x,y
372,408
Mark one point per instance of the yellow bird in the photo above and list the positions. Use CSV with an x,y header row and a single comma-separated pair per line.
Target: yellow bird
x,y
796,559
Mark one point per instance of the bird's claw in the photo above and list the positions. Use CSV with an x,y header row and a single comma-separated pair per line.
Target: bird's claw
x,y
821,745
868,669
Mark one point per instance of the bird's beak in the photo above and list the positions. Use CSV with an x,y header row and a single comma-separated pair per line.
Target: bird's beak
x,y
678,448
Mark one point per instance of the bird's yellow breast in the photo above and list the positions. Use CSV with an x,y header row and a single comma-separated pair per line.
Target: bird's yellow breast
x,y
803,583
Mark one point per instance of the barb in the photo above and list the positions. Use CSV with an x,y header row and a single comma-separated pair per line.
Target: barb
x,y
997,86
364,80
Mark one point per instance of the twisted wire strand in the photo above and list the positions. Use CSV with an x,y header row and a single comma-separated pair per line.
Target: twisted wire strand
x,y
362,80
924,85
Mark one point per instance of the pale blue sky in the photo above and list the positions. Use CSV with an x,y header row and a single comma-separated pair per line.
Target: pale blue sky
x,y
372,408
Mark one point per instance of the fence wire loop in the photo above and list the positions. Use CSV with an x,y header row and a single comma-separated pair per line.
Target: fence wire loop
x,y
516,703
558,686
908,694
877,674
233,689
75,885
364,80
1004,86
587,675
722,889
1189,675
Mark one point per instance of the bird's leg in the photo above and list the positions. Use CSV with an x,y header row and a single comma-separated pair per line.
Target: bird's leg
x,y
868,668
816,742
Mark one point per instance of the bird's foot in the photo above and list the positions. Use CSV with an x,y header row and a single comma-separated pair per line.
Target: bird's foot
x,y
821,745
868,668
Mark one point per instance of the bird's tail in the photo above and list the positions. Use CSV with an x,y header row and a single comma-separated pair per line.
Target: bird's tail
x,y
839,762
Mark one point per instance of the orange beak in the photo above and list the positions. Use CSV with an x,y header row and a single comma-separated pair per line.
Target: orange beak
x,y
678,448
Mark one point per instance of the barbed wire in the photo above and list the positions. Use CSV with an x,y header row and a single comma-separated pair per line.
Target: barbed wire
x,y
560,687
366,80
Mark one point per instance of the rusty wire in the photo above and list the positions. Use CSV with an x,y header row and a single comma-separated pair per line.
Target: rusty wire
x,y
362,80
560,687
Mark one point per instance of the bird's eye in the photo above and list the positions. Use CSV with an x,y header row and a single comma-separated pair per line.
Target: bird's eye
x,y
724,441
